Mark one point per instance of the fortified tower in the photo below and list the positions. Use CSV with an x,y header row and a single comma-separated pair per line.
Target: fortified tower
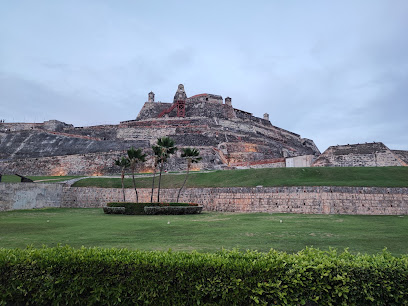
x,y
150,97
180,94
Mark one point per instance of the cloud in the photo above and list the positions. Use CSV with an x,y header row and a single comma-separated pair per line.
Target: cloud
x,y
335,72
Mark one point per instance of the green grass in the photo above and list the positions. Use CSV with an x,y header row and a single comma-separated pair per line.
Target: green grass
x,y
206,232
341,176
45,179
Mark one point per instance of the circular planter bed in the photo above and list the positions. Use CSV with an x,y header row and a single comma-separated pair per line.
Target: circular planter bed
x,y
172,210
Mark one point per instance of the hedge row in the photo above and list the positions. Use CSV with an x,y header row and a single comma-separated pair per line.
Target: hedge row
x,y
138,208
64,275
172,210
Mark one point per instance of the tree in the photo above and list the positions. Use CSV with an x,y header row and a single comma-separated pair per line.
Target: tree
x,y
156,152
135,156
123,163
192,156
164,148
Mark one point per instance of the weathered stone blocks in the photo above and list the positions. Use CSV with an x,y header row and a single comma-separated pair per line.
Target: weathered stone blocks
x,y
308,200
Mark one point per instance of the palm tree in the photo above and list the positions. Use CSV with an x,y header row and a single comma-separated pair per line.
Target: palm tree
x,y
134,157
123,163
192,156
163,149
157,153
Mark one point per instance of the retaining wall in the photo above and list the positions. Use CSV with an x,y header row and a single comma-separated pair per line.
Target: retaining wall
x,y
308,200
29,195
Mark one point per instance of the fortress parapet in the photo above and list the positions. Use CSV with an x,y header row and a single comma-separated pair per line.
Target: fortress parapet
x,y
205,98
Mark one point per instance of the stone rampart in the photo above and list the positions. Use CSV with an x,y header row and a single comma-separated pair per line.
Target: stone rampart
x,y
26,144
92,164
402,156
29,196
50,125
359,155
305,200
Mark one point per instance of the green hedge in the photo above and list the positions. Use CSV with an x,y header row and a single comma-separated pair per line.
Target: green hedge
x,y
119,276
114,210
172,210
138,208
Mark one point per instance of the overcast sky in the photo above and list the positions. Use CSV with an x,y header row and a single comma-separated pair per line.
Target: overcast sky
x,y
332,71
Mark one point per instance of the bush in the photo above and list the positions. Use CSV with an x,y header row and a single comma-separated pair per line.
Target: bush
x,y
114,210
138,208
172,210
118,276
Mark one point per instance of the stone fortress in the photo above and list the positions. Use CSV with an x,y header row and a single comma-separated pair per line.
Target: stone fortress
x,y
226,137
374,154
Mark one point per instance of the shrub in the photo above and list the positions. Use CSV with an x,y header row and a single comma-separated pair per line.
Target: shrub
x,y
114,210
118,276
130,208
172,210
138,208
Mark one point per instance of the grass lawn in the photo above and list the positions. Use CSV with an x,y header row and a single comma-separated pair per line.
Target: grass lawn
x,y
341,176
206,232
45,179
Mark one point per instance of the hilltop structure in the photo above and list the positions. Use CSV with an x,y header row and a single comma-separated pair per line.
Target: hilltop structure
x,y
225,136
374,154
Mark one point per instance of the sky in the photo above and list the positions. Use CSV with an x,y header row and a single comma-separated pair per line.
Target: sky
x,y
333,71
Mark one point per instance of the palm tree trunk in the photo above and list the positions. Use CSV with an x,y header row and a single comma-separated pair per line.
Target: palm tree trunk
x,y
185,180
123,184
158,191
154,176
134,185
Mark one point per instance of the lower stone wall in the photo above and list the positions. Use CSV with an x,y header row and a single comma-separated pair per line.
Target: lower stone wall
x,y
307,200
29,196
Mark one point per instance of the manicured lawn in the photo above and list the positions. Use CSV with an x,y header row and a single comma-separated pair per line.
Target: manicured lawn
x,y
341,176
45,179
207,232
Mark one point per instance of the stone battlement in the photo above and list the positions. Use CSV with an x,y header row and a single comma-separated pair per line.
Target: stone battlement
x,y
50,125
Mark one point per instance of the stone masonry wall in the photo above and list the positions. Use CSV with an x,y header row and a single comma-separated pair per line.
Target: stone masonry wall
x,y
308,200
29,196
79,164
358,155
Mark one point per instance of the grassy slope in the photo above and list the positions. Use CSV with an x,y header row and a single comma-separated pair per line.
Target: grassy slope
x,y
207,232
355,176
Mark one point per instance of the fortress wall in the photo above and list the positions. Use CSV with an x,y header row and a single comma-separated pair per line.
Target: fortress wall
x,y
151,110
96,164
35,144
402,155
78,164
151,133
341,157
209,110
28,196
4,127
307,200
50,125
